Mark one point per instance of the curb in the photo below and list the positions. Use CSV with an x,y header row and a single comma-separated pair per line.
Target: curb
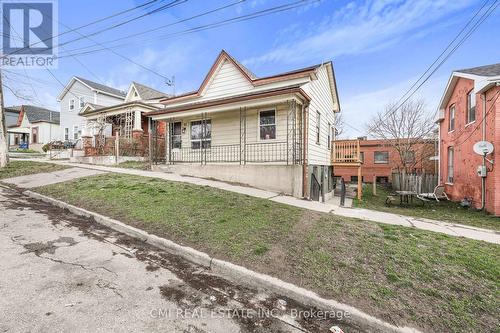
x,y
234,273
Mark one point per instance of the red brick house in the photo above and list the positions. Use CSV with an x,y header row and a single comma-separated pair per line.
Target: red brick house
x,y
379,159
469,112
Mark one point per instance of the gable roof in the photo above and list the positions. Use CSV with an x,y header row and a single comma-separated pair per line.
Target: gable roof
x,y
488,70
13,108
37,114
93,86
251,77
148,93
484,78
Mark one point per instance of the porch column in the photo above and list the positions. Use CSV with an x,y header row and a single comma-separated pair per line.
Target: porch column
x,y
137,129
137,121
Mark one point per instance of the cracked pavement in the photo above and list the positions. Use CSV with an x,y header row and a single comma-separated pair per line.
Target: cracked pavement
x,y
61,272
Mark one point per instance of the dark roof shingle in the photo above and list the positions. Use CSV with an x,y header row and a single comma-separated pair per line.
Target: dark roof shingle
x,y
488,70
38,114
102,87
147,93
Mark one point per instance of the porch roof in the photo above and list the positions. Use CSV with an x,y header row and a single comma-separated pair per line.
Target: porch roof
x,y
18,130
234,101
117,108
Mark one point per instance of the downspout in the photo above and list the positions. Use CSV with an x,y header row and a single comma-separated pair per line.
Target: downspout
x,y
483,179
305,124
439,152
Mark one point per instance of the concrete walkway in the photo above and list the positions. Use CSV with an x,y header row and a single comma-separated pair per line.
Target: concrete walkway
x,y
47,178
363,214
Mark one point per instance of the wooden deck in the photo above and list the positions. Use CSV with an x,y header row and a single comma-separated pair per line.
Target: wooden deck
x,y
346,153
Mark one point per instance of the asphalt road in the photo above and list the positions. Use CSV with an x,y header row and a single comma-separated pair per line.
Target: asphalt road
x,y
64,273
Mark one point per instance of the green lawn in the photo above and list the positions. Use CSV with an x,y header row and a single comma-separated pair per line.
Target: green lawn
x,y
141,165
444,211
405,276
22,168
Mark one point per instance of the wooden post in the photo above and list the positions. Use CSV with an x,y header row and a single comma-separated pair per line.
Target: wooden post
x,y
150,143
374,185
117,146
360,184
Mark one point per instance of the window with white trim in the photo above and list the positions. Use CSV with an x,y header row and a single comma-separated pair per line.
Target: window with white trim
x,y
267,125
451,119
66,134
450,165
201,134
81,101
75,132
471,107
72,104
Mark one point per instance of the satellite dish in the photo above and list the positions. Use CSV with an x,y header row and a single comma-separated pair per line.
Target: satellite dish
x,y
483,148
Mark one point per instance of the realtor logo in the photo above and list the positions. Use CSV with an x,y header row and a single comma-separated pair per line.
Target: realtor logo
x,y
29,33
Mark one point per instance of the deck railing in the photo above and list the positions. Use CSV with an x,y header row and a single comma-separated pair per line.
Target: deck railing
x,y
346,151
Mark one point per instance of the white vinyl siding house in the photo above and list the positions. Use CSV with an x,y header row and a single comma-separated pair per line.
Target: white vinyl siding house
x,y
38,125
227,82
255,127
322,102
73,98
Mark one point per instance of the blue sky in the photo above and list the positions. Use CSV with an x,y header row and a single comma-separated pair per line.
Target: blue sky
x,y
378,47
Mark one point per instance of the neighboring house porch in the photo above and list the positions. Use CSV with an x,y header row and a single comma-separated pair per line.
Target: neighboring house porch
x,y
125,122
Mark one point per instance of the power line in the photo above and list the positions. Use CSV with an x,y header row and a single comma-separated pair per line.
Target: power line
x,y
477,126
46,68
83,26
114,52
484,16
163,26
157,10
444,51
240,18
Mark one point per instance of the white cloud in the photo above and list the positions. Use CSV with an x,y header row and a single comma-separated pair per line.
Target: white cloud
x,y
359,27
358,109
170,60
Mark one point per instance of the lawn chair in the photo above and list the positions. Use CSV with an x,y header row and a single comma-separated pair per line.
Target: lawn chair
x,y
437,195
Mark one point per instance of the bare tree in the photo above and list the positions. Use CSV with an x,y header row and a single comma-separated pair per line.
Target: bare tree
x,y
406,130
339,125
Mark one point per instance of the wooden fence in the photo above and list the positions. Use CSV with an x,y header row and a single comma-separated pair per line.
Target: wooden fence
x,y
420,183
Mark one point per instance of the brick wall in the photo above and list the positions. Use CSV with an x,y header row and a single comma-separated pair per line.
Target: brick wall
x,y
370,168
466,183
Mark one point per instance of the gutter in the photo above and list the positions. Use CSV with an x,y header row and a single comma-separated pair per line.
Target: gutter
x,y
305,124
483,179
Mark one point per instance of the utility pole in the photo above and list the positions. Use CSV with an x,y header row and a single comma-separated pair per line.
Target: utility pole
x,y
3,129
